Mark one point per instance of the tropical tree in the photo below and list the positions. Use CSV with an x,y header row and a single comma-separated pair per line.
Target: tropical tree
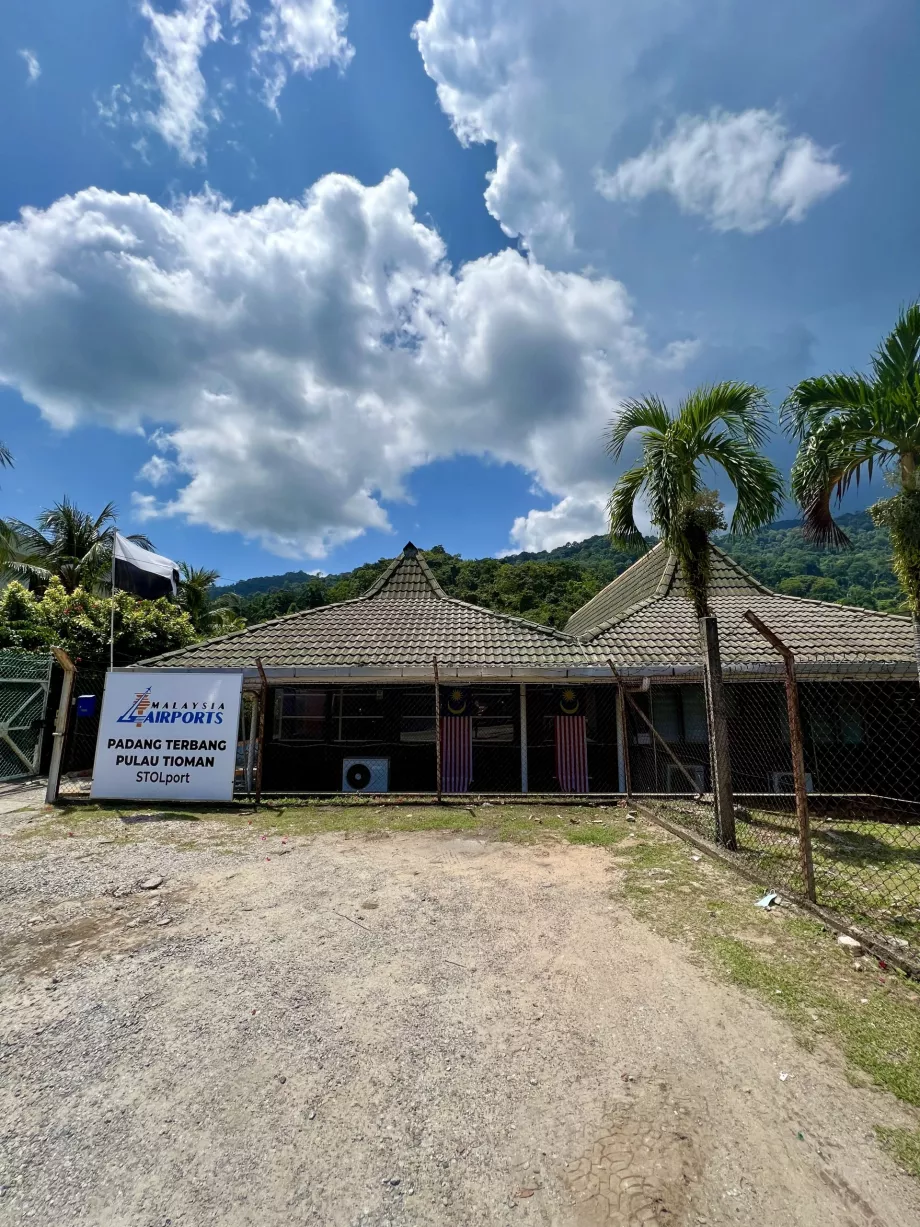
x,y
723,425
73,545
849,425
208,617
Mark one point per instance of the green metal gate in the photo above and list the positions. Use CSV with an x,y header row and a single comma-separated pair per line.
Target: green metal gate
x,y
25,680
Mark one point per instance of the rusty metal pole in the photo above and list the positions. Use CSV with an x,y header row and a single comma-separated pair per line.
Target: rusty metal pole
x,y
797,750
437,726
263,704
61,726
624,741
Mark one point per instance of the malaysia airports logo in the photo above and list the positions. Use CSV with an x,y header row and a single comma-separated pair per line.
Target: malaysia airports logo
x,y
147,710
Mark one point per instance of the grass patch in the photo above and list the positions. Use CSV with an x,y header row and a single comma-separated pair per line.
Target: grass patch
x,y
904,1147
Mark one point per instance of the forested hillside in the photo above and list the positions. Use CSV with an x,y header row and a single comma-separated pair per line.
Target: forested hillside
x,y
548,587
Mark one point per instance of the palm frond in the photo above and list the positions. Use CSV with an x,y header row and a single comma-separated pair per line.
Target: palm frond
x,y
759,485
624,531
742,407
645,411
6,457
811,401
897,359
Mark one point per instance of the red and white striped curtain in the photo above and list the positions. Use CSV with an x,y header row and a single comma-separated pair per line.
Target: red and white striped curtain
x,y
571,754
456,753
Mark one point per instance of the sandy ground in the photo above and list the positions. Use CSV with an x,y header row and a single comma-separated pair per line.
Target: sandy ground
x,y
412,1029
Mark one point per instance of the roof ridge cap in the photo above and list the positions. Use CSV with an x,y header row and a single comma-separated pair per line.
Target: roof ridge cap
x,y
667,577
855,609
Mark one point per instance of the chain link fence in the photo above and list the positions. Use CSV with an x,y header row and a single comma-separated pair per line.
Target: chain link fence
x,y
825,777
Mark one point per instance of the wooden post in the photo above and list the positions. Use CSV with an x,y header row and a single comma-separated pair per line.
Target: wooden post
x,y
61,725
797,749
719,746
625,780
659,740
263,704
437,726
524,780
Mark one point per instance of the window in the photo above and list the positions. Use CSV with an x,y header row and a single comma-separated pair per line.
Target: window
x,y
694,702
300,715
357,715
493,715
666,712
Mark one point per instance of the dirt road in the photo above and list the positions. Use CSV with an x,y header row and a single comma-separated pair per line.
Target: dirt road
x,y
412,1029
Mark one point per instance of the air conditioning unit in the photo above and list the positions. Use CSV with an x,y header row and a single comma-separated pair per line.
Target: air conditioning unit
x,y
366,775
784,781
676,781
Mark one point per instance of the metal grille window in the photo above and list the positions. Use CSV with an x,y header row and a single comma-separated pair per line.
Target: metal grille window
x,y
417,718
494,714
300,715
357,715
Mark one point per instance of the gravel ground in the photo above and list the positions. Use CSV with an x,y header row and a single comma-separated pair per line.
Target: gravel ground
x,y
409,1029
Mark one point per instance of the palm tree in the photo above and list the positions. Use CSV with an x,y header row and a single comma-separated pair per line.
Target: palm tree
x,y
849,425
726,425
208,617
73,545
6,457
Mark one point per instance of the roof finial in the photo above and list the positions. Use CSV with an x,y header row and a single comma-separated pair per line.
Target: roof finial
x,y
409,550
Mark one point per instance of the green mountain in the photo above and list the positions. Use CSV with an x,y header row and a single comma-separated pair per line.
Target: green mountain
x,y
549,586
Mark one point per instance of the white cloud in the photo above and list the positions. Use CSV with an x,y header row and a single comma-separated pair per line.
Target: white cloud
x,y
157,471
740,171
295,36
300,36
559,87
302,358
572,519
33,68
176,44
549,83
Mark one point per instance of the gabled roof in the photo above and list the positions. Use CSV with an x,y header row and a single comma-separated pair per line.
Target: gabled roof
x,y
645,618
404,620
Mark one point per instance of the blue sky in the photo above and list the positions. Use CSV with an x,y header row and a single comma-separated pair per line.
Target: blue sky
x,y
485,234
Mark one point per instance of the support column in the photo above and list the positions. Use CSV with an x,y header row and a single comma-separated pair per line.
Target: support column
x,y
61,723
263,704
437,730
524,784
622,749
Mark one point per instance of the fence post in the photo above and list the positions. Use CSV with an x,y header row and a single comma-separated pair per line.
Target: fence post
x,y
625,774
263,704
524,779
719,747
797,750
61,725
659,740
437,726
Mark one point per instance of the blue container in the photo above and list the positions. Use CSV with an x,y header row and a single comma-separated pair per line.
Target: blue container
x,y
86,705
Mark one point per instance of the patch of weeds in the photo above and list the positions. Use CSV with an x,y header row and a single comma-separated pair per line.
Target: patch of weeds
x,y
903,1145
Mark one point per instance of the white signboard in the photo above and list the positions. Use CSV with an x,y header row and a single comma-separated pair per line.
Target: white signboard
x,y
167,735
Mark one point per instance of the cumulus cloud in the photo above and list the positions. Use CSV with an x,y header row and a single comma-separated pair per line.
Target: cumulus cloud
x,y
740,171
550,85
571,519
33,68
300,36
298,360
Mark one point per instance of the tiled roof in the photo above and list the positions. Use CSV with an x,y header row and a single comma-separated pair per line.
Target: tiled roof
x,y
403,621
659,626
642,619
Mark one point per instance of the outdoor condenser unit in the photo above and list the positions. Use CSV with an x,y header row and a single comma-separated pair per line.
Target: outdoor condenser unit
x,y
676,781
366,775
784,781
